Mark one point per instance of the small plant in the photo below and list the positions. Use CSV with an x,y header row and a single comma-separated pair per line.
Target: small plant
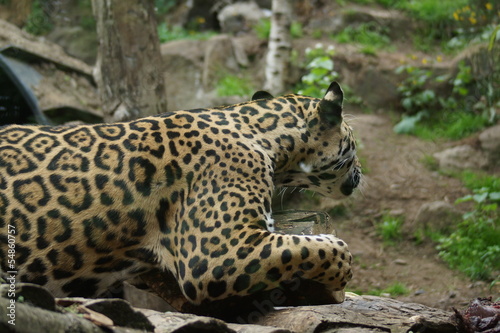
x,y
390,229
321,73
233,85
395,289
296,30
474,247
430,162
263,28
430,116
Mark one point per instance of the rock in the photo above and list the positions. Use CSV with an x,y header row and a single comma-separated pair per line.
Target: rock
x,y
461,157
77,42
401,262
362,314
219,59
437,216
239,17
490,143
393,22
183,73
121,313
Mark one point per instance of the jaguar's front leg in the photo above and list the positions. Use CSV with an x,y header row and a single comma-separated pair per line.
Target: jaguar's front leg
x,y
243,259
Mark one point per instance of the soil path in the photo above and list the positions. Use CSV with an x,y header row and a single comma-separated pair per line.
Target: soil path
x,y
398,182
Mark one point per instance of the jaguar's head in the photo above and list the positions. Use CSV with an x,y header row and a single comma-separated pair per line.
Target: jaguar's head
x,y
328,164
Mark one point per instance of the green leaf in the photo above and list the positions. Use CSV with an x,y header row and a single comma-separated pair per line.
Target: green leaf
x,y
480,197
495,196
322,62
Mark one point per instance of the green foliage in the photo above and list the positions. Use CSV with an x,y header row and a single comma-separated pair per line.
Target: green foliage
x,y
430,162
163,6
369,35
167,34
38,22
474,247
390,229
430,116
474,180
433,12
320,71
233,85
263,29
450,124
395,289
296,30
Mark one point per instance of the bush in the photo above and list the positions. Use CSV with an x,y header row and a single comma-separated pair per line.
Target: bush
x,y
474,247
320,71
390,229
430,116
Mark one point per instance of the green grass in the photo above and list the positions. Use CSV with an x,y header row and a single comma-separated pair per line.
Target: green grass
x,y
475,180
452,125
394,290
370,36
473,247
390,229
233,85
430,162
432,11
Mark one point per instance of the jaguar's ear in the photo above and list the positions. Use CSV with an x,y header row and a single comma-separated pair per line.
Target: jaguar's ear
x,y
261,95
330,107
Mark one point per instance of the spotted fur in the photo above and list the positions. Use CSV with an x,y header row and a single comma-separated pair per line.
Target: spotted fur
x,y
186,191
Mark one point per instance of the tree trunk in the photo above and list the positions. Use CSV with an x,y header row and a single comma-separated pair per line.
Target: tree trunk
x,y
278,55
129,74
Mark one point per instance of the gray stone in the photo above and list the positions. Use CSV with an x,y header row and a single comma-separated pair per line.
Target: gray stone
x,y
437,216
461,157
239,17
490,143
219,60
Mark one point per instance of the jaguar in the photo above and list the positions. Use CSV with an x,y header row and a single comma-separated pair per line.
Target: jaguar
x,y
85,206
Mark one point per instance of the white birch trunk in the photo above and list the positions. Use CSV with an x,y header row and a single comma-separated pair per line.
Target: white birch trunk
x,y
278,55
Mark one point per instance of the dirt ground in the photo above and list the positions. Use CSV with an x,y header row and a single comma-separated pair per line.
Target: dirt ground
x,y
397,182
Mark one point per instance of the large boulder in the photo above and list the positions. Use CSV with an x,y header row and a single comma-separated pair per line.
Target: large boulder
x,y
461,158
240,17
490,143
437,216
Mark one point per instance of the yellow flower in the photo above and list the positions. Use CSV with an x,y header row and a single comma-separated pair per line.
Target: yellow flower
x,y
472,20
439,58
424,61
488,6
455,16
